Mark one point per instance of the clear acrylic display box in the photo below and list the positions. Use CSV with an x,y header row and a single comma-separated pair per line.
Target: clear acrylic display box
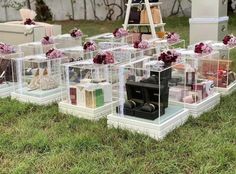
x,y
40,79
201,74
78,53
35,48
67,41
8,73
143,102
89,90
107,40
226,72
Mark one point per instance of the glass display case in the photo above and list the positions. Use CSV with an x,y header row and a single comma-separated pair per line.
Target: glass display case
x,y
201,74
89,90
67,41
227,69
40,79
107,40
35,48
143,104
7,72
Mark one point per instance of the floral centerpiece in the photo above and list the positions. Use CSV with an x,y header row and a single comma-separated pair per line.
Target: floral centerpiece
x,y
6,49
229,40
144,44
29,21
104,58
90,46
120,32
203,48
54,53
168,57
76,33
172,37
47,40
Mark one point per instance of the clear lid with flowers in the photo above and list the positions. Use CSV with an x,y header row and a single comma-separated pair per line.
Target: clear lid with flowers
x,y
72,39
7,65
118,38
35,48
40,75
144,91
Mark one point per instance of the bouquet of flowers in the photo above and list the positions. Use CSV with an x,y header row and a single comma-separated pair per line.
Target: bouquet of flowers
x,y
54,53
29,21
203,48
104,58
47,40
172,37
229,40
76,33
168,57
6,49
90,46
141,44
120,32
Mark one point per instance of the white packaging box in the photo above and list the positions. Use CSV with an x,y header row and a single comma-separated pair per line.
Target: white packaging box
x,y
209,8
202,29
16,34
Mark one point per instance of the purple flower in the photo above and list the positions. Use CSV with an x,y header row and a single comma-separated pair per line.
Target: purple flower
x,y
203,48
173,38
229,40
90,46
141,45
6,49
104,58
120,32
47,40
168,57
76,33
54,53
29,21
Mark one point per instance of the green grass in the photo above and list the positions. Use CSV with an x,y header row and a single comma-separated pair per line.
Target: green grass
x,y
36,139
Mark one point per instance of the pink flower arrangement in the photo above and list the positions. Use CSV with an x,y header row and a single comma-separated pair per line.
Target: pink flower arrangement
x,y
76,33
172,37
29,21
54,53
120,32
141,45
90,46
6,49
230,40
203,48
169,57
47,40
104,58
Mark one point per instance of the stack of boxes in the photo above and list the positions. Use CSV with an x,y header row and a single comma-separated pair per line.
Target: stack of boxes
x,y
209,20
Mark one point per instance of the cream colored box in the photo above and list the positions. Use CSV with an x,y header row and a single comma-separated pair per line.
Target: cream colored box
x,y
202,29
16,33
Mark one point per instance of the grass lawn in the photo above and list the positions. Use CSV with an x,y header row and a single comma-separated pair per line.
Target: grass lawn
x,y
36,139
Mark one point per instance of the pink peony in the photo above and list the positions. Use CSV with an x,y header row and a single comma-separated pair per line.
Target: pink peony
x,y
120,32
203,48
144,44
90,46
47,40
173,38
76,33
6,49
168,57
104,58
54,53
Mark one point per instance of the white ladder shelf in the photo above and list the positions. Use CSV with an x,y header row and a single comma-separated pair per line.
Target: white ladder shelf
x,y
151,24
